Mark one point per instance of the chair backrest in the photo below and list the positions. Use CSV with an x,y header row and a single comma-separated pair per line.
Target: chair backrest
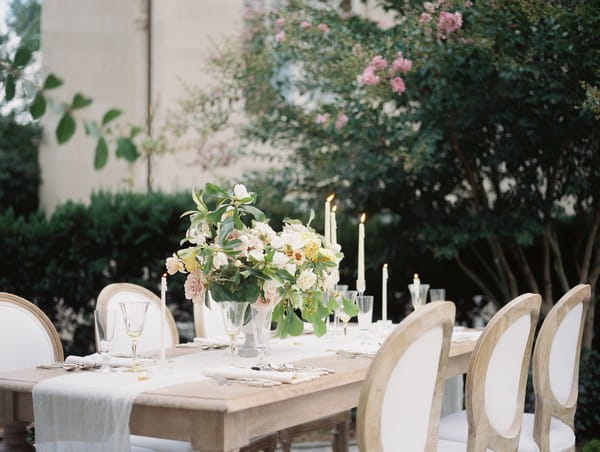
x,y
556,362
401,398
208,320
27,335
113,294
497,376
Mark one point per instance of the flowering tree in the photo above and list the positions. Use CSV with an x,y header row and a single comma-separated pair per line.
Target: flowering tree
x,y
462,120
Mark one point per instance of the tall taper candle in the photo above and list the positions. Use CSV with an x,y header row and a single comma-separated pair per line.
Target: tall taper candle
x,y
333,226
327,232
384,279
417,287
163,315
360,281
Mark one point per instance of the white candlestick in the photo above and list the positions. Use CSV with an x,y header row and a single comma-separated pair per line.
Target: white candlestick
x,y
384,279
416,286
328,219
360,282
163,314
333,226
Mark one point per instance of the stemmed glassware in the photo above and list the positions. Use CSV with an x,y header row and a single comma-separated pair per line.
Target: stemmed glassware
x,y
343,316
339,291
104,321
233,319
134,315
261,324
418,294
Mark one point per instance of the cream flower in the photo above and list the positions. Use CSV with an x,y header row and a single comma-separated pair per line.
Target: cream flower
x,y
291,269
306,280
257,255
174,265
311,247
280,259
219,260
264,231
240,192
194,287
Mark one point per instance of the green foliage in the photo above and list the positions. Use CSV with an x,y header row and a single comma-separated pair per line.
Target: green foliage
x,y
65,128
19,168
63,262
587,418
24,21
592,446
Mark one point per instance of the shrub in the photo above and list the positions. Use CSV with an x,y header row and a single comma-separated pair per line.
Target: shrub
x,y
592,446
587,418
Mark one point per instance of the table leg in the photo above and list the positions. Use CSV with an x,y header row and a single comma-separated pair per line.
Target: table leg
x,y
15,438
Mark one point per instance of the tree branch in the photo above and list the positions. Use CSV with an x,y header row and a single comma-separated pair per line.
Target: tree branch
x,y
547,295
589,248
558,262
473,276
484,263
525,267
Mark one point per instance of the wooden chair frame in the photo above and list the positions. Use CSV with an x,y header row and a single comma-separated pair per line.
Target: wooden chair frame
x,y
109,291
368,425
41,317
481,433
546,405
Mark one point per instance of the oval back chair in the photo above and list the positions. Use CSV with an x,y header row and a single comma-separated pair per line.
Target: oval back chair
x,y
401,398
113,294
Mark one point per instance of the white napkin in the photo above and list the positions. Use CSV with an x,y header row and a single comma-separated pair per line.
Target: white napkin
x,y
240,373
95,359
462,334
214,341
358,350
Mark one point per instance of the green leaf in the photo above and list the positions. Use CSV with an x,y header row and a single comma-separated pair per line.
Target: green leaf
x,y
91,128
256,213
80,101
38,106
319,326
134,131
9,87
101,156
350,308
22,57
294,324
110,115
52,81
65,128
126,149
213,189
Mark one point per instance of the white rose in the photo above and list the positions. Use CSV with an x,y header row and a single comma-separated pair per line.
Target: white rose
x,y
219,260
240,192
174,265
257,255
277,242
280,259
264,231
306,280
330,280
291,269
293,239
271,285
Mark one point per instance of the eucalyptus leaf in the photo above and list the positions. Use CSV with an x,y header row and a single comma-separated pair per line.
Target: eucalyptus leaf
x,y
9,87
101,155
65,128
110,115
22,57
38,106
80,101
126,149
52,81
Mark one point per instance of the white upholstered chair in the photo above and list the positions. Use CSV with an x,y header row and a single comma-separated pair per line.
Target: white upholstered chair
x,y
401,397
556,374
208,320
496,381
113,294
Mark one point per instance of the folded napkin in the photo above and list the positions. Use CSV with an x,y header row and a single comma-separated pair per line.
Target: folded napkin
x,y
95,359
214,341
240,373
461,334
358,350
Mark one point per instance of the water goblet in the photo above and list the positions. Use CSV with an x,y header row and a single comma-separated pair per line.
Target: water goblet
x,y
343,316
261,324
104,321
134,315
365,313
233,319
418,294
339,291
437,294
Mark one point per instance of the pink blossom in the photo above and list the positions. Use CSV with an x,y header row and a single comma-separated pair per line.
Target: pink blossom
x,y
323,28
368,77
378,62
401,64
449,22
429,7
280,22
194,287
468,4
280,36
305,24
342,120
398,85
322,118
425,18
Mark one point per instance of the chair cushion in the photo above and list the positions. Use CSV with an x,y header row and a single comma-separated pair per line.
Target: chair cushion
x,y
147,443
561,436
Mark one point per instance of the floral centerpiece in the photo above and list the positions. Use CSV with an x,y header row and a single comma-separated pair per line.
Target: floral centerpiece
x,y
235,254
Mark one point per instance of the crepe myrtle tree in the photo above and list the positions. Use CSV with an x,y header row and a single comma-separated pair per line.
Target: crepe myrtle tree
x,y
470,123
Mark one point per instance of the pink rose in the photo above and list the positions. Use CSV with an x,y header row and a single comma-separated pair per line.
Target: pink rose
x,y
449,22
378,62
194,287
425,18
280,36
322,118
305,24
398,85
368,77
280,22
342,120
401,64
323,28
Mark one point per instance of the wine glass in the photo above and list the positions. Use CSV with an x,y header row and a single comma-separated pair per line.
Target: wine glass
x,y
104,320
233,318
343,316
261,324
339,292
134,314
418,294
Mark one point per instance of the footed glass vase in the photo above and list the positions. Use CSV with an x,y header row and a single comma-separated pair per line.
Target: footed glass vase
x,y
233,319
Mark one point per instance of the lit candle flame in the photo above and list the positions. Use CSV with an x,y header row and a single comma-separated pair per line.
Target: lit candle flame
x,y
334,209
363,217
330,197
385,266
415,276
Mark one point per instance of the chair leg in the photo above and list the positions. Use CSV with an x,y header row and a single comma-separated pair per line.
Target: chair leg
x,y
340,435
285,440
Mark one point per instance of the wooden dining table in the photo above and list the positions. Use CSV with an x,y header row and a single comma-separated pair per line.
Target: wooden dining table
x,y
211,415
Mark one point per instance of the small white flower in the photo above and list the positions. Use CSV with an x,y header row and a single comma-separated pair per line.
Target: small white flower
x,y
257,255
291,269
264,231
270,285
330,280
238,263
277,242
280,259
174,265
219,260
306,280
240,192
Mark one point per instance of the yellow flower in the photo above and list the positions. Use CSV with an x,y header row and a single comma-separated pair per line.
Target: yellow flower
x,y
311,248
326,255
188,256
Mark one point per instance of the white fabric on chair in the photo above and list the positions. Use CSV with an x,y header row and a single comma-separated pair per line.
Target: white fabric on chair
x,y
213,319
562,438
502,377
22,328
453,395
563,353
411,384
